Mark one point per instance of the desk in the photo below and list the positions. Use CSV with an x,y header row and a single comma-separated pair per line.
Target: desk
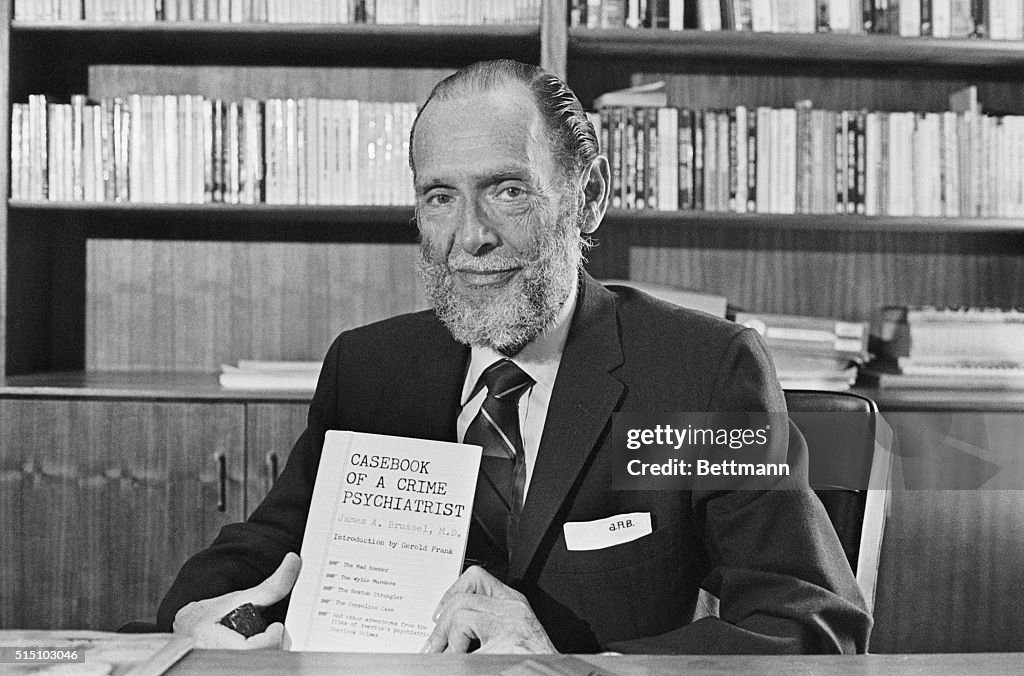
x,y
123,652
206,662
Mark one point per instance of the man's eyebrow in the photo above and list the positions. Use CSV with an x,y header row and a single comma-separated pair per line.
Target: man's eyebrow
x,y
511,174
429,184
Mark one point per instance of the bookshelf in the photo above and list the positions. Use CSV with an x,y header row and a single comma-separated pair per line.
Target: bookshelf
x,y
44,329
842,266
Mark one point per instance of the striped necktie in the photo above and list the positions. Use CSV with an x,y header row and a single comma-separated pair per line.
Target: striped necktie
x,y
501,483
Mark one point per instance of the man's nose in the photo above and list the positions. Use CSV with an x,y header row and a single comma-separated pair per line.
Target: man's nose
x,y
477,234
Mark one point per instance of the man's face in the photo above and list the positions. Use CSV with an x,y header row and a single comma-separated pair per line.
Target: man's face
x,y
498,218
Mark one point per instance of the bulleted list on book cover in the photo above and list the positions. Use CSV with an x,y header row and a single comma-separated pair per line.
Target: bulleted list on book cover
x,y
385,538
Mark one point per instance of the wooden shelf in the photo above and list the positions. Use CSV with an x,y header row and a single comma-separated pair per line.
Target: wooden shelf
x,y
817,48
243,222
133,385
399,219
191,43
153,386
301,213
836,222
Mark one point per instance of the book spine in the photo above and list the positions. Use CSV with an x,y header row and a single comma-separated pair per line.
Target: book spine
x,y
668,159
698,160
642,129
686,165
722,160
77,148
752,160
629,157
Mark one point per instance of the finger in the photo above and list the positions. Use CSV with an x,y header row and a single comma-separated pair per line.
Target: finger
x,y
266,593
436,642
278,585
269,638
218,636
452,635
474,580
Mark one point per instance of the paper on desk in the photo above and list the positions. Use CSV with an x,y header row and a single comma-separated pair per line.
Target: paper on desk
x,y
385,538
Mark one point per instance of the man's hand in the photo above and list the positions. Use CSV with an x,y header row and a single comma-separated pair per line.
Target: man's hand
x,y
201,619
478,606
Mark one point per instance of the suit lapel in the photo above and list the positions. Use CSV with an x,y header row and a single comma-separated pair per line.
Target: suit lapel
x,y
583,399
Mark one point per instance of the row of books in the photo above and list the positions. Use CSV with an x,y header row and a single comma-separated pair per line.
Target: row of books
x,y
807,160
423,12
192,149
953,348
996,19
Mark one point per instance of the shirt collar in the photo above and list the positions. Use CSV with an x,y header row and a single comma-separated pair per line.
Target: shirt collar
x,y
539,358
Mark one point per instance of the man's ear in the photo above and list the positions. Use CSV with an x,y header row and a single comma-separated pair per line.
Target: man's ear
x,y
596,190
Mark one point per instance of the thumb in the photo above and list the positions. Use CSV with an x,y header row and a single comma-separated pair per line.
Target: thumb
x,y
278,585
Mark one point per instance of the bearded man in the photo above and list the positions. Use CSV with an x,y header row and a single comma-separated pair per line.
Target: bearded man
x,y
509,183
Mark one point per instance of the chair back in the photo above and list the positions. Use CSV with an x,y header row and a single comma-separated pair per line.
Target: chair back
x,y
848,446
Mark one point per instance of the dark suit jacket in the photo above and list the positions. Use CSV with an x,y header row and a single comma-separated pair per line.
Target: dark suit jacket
x,y
771,557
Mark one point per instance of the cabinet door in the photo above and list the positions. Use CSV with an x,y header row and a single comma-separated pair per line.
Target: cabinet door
x,y
103,501
271,431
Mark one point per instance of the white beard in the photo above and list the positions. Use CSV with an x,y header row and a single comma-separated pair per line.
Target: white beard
x,y
524,308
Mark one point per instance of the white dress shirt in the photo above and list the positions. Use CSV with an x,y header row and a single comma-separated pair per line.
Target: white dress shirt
x,y
539,359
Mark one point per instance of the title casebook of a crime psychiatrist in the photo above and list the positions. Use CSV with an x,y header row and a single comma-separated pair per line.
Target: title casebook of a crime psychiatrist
x,y
385,538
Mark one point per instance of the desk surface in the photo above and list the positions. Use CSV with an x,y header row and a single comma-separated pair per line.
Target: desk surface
x,y
119,654
205,662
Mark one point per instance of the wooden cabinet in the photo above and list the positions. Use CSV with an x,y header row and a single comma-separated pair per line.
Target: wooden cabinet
x,y
952,566
104,500
271,430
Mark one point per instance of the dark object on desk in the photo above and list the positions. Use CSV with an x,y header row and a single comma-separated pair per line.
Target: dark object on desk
x,y
848,467
246,620
146,626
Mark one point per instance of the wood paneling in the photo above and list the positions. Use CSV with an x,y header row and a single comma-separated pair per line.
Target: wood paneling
x,y
271,431
952,571
849,275
191,306
104,501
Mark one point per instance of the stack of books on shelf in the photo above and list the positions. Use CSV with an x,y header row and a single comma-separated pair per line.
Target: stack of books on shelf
x,y
811,353
423,12
959,163
995,19
298,376
962,348
193,150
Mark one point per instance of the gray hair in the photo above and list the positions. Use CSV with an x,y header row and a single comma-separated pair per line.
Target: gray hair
x,y
571,132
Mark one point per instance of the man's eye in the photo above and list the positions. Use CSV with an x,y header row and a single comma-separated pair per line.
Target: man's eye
x,y
512,192
439,199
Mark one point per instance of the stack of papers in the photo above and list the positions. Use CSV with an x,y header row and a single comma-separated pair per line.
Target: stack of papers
x,y
812,353
270,375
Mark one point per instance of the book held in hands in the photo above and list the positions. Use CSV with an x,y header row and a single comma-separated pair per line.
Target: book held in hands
x,y
385,538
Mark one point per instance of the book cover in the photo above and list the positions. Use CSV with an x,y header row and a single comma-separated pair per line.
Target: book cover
x,y
385,538
686,159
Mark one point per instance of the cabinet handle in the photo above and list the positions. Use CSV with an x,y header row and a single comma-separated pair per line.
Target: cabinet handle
x,y
222,482
272,462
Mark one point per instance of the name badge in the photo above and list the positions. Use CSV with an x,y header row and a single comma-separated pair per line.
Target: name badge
x,y
581,536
